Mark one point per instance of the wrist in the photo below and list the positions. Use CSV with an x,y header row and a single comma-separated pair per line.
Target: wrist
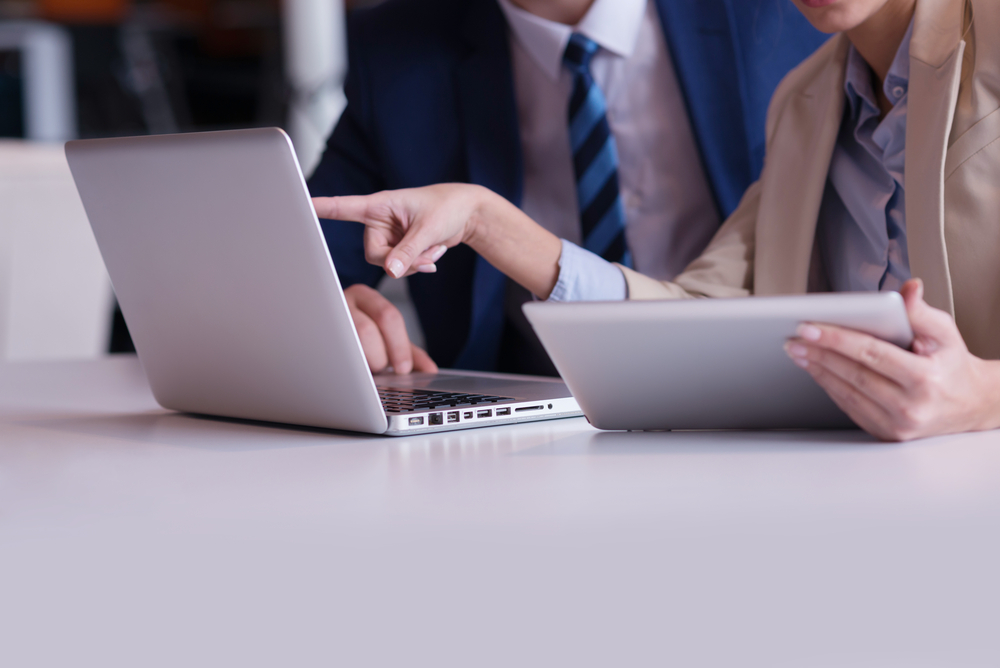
x,y
990,416
482,213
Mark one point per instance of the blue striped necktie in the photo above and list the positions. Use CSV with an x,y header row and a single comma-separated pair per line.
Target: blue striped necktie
x,y
595,158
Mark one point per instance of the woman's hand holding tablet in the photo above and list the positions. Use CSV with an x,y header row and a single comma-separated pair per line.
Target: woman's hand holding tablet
x,y
937,387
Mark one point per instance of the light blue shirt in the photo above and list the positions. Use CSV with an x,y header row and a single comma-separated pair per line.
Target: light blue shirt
x,y
862,222
586,277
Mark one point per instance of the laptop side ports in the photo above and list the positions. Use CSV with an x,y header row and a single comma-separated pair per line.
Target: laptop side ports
x,y
435,419
503,411
453,417
416,421
485,414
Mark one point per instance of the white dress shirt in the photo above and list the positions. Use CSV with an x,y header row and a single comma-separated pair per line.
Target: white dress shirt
x,y
668,203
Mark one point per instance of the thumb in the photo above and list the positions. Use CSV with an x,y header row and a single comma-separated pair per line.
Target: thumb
x,y
414,243
932,328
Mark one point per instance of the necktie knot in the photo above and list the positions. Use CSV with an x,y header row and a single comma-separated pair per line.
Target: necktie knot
x,y
579,52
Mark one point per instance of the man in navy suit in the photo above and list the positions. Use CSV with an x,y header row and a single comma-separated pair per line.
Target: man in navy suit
x,y
672,94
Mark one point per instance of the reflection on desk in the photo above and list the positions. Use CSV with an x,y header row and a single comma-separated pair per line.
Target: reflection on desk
x,y
135,536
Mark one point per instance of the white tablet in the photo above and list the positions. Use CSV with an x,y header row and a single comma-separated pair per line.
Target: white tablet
x,y
704,363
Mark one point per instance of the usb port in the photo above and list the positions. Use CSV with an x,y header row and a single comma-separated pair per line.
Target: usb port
x,y
416,421
503,411
486,413
452,417
435,418
468,415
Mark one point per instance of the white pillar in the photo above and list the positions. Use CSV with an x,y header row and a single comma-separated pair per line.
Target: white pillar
x,y
47,72
315,63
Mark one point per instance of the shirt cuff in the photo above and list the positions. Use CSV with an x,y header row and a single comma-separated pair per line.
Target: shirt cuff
x,y
586,277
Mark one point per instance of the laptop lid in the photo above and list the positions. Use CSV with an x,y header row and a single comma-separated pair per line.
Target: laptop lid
x,y
222,272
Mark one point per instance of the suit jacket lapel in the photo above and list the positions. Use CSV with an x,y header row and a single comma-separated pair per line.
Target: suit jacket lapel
x,y
794,181
701,45
936,54
488,113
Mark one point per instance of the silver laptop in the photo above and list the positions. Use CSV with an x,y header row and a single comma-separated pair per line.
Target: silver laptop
x,y
704,363
233,302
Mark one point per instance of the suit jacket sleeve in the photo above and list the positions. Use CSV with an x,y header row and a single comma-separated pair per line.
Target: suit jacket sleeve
x,y
350,166
725,269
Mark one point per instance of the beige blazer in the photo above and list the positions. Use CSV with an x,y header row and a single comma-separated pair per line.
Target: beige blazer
x,y
767,247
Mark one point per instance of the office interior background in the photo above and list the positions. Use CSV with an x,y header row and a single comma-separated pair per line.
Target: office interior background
x,y
104,68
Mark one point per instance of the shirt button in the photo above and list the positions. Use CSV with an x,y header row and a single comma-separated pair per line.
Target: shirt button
x,y
898,92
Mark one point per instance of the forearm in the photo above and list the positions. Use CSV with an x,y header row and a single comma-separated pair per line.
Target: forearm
x,y
515,244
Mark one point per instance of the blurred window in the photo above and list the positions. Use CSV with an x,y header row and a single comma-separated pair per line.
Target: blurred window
x,y
83,11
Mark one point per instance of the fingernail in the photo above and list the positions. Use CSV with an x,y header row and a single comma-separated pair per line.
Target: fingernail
x,y
796,350
801,362
809,332
427,268
395,268
438,253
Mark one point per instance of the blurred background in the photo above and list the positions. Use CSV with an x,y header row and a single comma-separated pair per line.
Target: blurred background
x,y
102,68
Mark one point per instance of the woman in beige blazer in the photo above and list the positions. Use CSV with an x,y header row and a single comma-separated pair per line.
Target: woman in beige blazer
x,y
950,381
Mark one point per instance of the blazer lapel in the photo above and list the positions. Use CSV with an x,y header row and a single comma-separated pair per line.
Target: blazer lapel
x,y
794,180
488,115
936,54
700,41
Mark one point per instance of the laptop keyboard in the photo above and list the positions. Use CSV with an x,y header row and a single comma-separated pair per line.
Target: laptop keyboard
x,y
396,400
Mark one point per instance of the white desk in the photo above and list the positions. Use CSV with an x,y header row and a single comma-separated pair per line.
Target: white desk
x,y
130,536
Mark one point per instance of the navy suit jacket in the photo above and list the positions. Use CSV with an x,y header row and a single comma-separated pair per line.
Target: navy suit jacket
x,y
431,100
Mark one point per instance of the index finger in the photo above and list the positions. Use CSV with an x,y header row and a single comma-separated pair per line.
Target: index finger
x,y
352,208
391,325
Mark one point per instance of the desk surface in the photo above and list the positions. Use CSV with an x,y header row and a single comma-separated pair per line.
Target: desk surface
x,y
132,536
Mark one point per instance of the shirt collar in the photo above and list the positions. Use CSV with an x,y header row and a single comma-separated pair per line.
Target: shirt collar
x,y
613,24
858,84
